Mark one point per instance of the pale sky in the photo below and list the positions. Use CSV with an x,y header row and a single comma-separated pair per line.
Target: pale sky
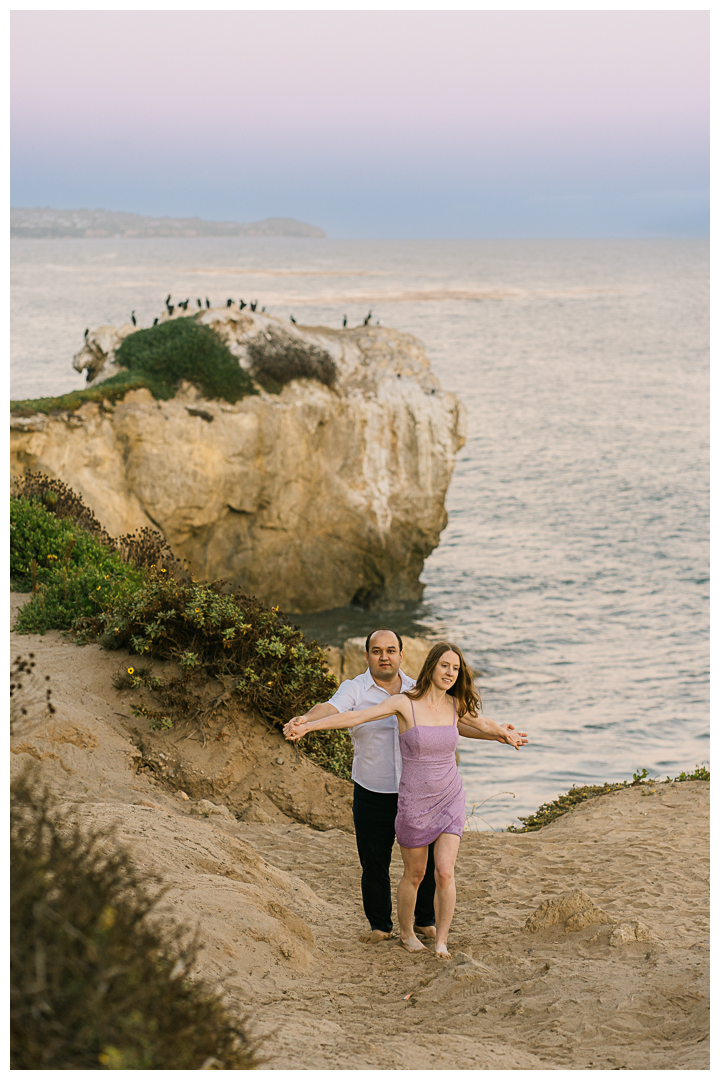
x,y
370,124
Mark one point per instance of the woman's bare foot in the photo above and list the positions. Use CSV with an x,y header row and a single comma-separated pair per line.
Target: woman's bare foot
x,y
412,944
425,931
374,936
441,951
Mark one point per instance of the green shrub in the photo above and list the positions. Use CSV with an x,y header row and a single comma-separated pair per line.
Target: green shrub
x,y
88,582
145,547
277,358
257,657
60,500
183,349
69,596
72,573
157,359
700,773
112,390
551,810
98,978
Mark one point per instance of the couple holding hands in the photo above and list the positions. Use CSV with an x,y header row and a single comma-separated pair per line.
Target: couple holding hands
x,y
406,780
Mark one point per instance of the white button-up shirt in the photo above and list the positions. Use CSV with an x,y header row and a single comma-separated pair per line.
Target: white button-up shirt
x,y
377,762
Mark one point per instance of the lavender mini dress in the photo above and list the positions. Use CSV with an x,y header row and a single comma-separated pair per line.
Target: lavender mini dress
x,y
431,799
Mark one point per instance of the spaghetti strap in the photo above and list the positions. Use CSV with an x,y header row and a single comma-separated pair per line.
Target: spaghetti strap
x,y
413,712
454,712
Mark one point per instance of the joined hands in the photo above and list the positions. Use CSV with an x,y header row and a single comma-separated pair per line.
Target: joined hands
x,y
295,729
513,737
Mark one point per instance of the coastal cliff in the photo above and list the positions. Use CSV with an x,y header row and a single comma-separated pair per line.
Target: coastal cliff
x,y
326,486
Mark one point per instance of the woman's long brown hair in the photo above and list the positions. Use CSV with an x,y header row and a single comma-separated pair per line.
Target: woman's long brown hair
x,y
468,702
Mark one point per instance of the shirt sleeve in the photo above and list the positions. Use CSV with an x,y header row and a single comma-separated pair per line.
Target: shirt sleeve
x,y
345,697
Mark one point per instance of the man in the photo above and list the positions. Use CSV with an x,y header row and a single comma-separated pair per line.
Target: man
x,y
376,769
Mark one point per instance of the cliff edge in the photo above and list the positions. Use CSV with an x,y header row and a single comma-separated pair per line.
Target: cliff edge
x,y
313,493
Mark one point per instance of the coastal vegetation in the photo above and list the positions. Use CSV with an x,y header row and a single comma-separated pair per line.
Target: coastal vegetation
x,y
277,358
110,391
70,573
99,978
183,349
159,359
550,811
227,647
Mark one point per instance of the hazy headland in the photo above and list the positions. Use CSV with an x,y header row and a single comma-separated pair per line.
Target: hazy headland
x,y
46,223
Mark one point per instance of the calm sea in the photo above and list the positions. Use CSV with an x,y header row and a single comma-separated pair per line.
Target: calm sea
x,y
574,569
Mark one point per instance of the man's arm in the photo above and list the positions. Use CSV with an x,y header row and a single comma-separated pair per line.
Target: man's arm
x,y
319,712
482,727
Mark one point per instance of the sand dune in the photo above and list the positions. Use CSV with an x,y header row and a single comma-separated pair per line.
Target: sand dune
x,y
278,905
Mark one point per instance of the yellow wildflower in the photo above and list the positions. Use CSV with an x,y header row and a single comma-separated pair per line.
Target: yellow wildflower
x,y
131,671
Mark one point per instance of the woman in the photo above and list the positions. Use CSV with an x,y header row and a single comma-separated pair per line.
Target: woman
x,y
431,801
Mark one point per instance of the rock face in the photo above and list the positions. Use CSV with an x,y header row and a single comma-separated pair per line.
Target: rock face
x,y
322,494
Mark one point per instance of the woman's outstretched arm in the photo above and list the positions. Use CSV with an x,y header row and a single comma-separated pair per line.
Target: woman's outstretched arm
x,y
482,727
298,726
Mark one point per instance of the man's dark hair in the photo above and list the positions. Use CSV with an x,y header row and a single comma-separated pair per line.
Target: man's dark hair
x,y
382,630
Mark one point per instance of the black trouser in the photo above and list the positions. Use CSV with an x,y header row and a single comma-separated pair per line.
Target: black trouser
x,y
374,814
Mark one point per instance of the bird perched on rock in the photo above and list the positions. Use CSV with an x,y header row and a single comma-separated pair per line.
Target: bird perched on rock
x,y
87,331
207,302
155,322
229,303
199,302
133,320
293,319
184,305
262,308
344,321
170,309
167,301
367,318
242,304
253,305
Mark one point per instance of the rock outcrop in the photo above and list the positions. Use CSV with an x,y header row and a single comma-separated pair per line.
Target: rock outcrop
x,y
329,491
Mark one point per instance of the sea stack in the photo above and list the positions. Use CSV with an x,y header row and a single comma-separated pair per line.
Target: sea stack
x,y
324,488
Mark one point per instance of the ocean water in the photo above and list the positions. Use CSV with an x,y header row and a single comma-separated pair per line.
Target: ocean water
x,y
574,568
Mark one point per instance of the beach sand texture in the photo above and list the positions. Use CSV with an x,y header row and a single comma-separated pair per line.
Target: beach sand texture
x,y
278,906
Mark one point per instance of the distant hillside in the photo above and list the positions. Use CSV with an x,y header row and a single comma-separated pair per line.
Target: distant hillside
x,y
41,223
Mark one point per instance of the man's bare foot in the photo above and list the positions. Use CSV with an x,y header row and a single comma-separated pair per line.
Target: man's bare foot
x,y
425,931
441,952
412,945
374,936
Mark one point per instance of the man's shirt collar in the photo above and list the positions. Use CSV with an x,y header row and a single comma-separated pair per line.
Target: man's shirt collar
x,y
406,682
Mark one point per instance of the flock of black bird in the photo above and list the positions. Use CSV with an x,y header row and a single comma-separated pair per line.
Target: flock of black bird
x,y
184,304
240,303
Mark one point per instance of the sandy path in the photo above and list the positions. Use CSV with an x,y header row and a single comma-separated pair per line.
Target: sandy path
x,y
535,1000
279,911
